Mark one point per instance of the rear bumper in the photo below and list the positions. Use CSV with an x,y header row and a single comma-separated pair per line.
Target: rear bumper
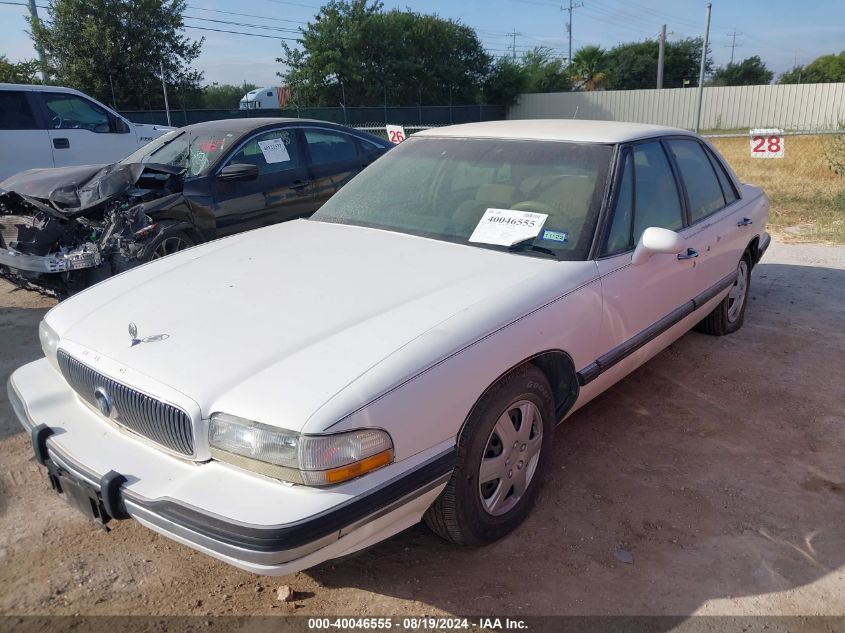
x,y
299,527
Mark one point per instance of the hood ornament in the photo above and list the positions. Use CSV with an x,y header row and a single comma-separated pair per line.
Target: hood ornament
x,y
133,333
134,340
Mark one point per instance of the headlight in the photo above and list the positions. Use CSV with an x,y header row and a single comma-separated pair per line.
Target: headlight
x,y
49,342
314,460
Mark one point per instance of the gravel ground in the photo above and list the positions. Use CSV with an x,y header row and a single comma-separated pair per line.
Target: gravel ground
x,y
718,467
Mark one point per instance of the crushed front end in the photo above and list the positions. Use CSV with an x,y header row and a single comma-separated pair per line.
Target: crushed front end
x,y
62,230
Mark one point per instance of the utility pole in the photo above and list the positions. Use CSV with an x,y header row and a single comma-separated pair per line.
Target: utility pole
x,y
513,46
733,43
660,55
572,6
33,12
703,67
164,89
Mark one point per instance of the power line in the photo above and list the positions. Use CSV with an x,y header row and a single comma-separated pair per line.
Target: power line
x,y
244,24
272,37
246,15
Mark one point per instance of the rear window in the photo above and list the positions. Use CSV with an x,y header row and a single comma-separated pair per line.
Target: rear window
x,y
15,111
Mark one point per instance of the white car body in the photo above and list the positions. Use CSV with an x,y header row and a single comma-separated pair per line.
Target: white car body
x,y
40,141
396,332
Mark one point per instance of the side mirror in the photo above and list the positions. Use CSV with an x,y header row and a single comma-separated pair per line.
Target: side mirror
x,y
656,240
238,171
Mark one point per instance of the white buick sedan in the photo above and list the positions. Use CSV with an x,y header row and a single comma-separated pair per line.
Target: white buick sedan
x,y
299,392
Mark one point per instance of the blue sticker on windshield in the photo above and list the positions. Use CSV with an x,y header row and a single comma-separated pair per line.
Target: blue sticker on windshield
x,y
554,236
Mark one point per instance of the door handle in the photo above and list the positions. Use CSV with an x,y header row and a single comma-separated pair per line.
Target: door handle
x,y
745,222
691,253
61,143
296,185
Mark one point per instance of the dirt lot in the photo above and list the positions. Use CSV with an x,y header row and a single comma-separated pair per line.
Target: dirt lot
x,y
719,466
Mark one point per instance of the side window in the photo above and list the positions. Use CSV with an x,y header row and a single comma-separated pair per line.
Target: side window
x,y
703,189
70,112
727,186
15,112
328,146
657,202
273,152
620,238
367,147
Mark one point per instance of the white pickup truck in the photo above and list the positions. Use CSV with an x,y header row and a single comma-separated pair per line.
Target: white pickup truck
x,y
48,126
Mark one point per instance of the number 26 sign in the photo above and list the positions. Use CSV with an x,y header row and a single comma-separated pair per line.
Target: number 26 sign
x,y
395,133
767,143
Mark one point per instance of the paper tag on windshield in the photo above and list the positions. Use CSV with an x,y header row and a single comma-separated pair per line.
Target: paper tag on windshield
x,y
274,151
507,227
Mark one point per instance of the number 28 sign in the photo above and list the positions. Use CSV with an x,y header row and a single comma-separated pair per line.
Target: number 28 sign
x,y
767,143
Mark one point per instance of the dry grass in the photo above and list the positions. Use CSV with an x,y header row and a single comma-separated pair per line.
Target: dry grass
x,y
807,197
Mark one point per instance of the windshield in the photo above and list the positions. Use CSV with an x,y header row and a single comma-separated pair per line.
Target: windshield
x,y
193,150
442,187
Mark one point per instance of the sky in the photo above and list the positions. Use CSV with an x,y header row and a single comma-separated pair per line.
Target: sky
x,y
781,32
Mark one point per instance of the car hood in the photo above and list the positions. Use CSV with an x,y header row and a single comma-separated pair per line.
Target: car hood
x,y
75,190
270,324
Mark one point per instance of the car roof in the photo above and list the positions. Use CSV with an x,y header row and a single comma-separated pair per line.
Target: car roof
x,y
577,131
242,126
41,88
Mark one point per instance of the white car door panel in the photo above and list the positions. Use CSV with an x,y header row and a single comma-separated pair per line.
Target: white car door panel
x,y
641,301
82,132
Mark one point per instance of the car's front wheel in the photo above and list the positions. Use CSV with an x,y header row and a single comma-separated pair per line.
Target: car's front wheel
x,y
502,452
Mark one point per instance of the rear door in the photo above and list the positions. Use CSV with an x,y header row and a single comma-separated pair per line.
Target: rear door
x,y
717,230
84,133
24,141
334,158
282,191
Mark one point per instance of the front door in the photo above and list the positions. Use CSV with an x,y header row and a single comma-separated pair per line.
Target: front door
x,y
639,301
282,191
82,133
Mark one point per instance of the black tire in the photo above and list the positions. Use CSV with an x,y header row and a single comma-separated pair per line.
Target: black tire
x,y
167,242
459,514
726,318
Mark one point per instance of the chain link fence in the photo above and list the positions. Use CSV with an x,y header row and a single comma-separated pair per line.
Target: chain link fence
x,y
423,115
806,187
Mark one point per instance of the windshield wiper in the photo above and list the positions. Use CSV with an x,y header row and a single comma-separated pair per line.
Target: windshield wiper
x,y
528,245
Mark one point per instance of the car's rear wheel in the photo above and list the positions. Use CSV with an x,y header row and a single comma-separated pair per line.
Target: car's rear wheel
x,y
729,315
502,452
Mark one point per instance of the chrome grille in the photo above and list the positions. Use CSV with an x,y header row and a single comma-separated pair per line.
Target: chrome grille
x,y
163,423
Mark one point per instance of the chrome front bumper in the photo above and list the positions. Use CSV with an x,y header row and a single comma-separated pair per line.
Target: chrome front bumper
x,y
296,540
85,256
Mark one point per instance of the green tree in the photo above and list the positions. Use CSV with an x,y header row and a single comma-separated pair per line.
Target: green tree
x,y
544,71
634,66
23,72
822,70
589,68
106,47
356,54
505,82
749,72
218,97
